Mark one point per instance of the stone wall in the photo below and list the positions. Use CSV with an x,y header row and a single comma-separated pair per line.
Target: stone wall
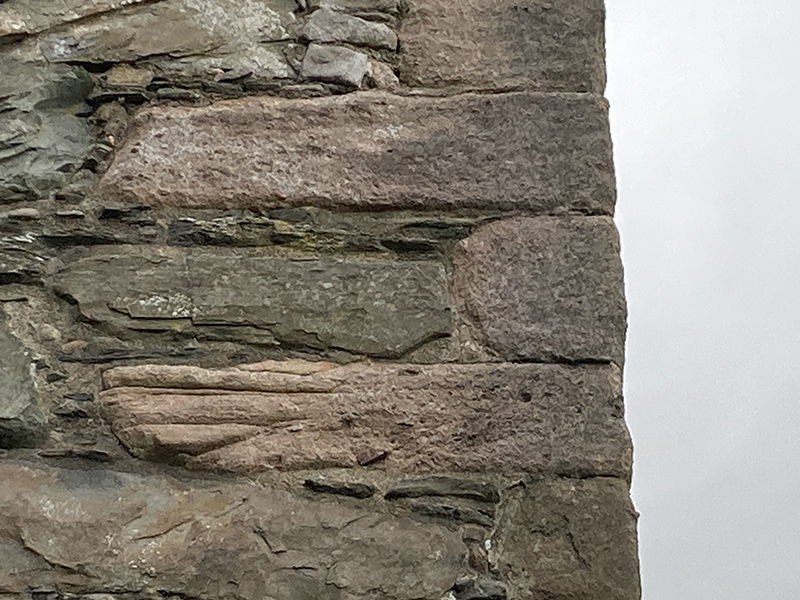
x,y
310,299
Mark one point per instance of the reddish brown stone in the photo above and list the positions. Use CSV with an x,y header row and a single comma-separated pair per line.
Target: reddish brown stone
x,y
497,418
566,538
373,150
503,44
544,289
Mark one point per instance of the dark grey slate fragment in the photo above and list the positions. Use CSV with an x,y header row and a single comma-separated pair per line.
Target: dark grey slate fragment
x,y
482,588
42,141
22,423
341,488
461,514
444,486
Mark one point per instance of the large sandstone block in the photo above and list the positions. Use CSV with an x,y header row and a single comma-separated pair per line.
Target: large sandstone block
x,y
410,419
372,150
101,531
548,45
378,308
566,538
21,421
545,288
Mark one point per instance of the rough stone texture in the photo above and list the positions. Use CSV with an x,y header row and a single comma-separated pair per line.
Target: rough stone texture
x,y
123,532
194,292
546,288
504,44
237,294
327,25
21,421
398,418
391,7
24,17
42,141
533,152
571,539
219,35
335,64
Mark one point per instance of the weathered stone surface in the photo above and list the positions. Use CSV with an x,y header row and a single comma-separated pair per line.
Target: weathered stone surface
x,y
546,288
327,25
391,7
563,538
21,421
405,419
378,308
335,64
118,531
191,38
42,141
533,152
504,44
22,17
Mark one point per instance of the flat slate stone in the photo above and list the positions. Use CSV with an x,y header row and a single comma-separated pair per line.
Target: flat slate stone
x,y
544,288
42,141
372,150
21,421
404,419
444,486
188,38
22,17
104,530
378,308
541,45
566,538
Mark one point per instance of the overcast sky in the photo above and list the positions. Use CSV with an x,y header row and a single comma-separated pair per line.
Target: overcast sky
x,y
705,110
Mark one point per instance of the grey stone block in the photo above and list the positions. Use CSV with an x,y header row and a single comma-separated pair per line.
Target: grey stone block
x,y
42,141
118,531
327,25
335,64
378,308
21,421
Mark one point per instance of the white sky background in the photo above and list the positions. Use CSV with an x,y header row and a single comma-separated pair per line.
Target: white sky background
x,y
705,110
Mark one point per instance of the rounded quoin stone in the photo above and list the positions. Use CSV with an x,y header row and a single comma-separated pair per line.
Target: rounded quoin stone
x,y
546,288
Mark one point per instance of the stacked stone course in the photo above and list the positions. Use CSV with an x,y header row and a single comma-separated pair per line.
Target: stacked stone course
x,y
310,299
